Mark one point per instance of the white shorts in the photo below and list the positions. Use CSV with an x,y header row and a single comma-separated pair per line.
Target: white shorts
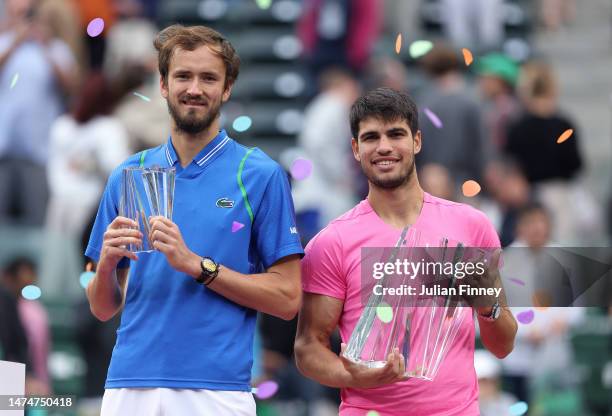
x,y
179,402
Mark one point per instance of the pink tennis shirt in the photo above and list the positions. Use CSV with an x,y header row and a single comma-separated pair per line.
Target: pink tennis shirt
x,y
332,267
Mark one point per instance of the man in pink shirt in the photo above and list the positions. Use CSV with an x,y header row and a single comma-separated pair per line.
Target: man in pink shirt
x,y
386,137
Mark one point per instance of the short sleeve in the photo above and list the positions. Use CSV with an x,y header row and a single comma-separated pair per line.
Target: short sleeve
x,y
274,227
322,271
107,212
487,236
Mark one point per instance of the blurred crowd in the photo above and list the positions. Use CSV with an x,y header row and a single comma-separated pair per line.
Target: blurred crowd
x,y
69,115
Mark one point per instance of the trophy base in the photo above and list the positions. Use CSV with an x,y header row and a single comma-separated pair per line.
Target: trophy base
x,y
367,363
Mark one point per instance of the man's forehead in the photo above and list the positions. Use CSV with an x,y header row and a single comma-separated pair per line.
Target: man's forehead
x,y
379,124
202,58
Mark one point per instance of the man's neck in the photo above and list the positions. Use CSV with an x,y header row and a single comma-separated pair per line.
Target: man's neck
x,y
187,146
398,207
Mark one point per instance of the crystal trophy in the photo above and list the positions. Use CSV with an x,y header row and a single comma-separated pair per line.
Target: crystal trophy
x,y
422,327
146,192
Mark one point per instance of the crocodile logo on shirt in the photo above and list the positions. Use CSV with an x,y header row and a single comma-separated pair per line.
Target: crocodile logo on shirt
x,y
225,203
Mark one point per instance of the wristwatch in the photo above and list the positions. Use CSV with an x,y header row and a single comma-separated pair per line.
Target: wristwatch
x,y
210,269
495,313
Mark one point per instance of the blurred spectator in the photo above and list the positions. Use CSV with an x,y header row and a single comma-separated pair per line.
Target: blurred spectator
x,y
96,340
510,190
491,399
459,145
19,273
86,145
36,70
326,141
387,72
13,339
549,166
542,346
96,45
63,16
129,45
339,33
532,138
556,13
436,180
474,24
497,76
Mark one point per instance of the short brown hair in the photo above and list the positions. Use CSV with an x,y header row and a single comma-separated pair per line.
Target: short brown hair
x,y
189,38
385,104
441,60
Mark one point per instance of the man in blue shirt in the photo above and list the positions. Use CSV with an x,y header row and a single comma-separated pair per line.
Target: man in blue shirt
x,y
185,342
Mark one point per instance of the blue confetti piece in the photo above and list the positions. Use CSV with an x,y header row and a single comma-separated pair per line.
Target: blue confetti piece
x,y
31,292
85,278
518,409
242,123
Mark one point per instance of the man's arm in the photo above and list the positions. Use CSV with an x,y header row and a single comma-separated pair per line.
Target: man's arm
x,y
497,336
313,355
106,291
318,318
276,292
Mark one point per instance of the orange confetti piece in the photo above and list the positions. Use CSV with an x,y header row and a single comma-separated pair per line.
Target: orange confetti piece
x,y
467,56
566,135
470,188
398,43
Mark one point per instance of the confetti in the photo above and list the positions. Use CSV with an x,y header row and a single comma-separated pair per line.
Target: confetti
x,y
31,292
301,168
384,312
518,409
263,4
85,278
419,48
14,80
470,188
525,317
566,135
144,97
236,226
467,56
242,123
95,27
372,413
435,120
517,281
265,390
398,43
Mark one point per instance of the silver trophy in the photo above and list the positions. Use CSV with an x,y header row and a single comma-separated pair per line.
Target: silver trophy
x,y
146,192
423,328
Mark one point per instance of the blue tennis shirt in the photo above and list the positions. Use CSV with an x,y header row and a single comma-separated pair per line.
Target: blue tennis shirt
x,y
175,332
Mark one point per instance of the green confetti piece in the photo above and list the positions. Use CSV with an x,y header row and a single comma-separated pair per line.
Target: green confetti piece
x,y
373,413
14,80
384,312
263,4
144,97
419,48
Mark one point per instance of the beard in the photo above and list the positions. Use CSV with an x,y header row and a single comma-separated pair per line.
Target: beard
x,y
390,183
190,123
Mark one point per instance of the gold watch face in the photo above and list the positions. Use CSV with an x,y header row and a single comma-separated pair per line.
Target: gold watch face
x,y
209,265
